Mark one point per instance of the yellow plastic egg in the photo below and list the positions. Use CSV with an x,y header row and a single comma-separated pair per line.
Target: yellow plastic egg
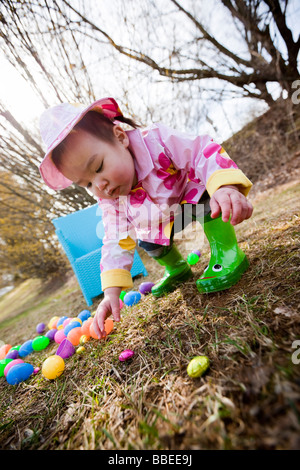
x,y
197,366
52,322
53,367
83,339
80,350
76,319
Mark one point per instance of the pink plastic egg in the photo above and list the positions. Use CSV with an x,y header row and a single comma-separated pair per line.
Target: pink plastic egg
x,y
11,364
59,336
125,355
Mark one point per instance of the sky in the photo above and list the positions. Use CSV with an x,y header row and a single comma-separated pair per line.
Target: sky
x,y
17,94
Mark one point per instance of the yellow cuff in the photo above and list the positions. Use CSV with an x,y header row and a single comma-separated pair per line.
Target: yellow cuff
x,y
222,177
127,243
116,278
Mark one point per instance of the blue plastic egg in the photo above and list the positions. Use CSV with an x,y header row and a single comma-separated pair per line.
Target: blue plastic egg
x,y
84,315
132,298
19,373
70,326
60,321
26,348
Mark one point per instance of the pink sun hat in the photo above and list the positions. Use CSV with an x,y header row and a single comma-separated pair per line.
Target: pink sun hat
x,y
56,123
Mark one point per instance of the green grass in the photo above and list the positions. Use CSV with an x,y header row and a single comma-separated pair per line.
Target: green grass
x,y
249,397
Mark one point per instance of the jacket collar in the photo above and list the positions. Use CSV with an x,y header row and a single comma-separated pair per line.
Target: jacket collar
x,y
143,164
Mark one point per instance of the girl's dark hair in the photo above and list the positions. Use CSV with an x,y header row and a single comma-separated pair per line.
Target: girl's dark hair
x,y
96,124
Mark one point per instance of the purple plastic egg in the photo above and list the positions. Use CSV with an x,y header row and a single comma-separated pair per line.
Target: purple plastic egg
x,y
125,355
36,370
65,349
145,287
40,327
12,354
197,252
51,333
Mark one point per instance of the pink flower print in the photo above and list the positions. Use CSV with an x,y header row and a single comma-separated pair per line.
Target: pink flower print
x,y
210,149
101,267
137,195
190,197
167,173
224,161
192,176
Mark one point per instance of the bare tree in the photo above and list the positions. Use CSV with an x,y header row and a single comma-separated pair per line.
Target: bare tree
x,y
258,22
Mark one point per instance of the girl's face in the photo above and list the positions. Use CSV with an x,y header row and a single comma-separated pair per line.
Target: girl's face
x,y
106,169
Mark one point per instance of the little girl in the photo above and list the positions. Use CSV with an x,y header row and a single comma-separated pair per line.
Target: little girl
x,y
142,179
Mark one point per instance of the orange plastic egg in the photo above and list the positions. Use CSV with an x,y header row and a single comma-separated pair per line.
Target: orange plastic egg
x,y
86,326
108,326
4,350
74,335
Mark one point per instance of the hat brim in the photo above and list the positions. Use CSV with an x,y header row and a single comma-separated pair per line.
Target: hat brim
x,y
49,172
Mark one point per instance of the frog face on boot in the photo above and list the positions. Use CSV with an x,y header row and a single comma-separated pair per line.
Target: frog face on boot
x,y
227,262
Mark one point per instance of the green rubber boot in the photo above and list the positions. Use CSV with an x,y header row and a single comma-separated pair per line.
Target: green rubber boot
x,y
227,261
177,270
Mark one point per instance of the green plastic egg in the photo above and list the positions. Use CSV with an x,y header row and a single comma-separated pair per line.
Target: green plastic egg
x,y
40,342
192,258
197,366
3,364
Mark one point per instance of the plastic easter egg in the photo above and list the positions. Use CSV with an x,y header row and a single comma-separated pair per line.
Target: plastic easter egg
x,y
19,373
197,366
74,335
84,315
26,348
76,319
61,320
83,339
121,303
3,364
70,326
52,323
36,370
66,322
122,295
40,328
85,329
65,349
60,327
59,336
108,326
12,354
145,287
51,333
80,350
11,364
132,298
4,350
93,313
197,252
15,348
40,342
53,367
192,258
125,355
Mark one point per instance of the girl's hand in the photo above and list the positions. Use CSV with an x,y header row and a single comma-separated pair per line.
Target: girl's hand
x,y
229,200
109,305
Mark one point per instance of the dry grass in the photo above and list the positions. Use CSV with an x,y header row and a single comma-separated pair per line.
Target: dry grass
x,y
248,399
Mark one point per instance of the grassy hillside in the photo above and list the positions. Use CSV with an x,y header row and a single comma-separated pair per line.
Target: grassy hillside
x,y
248,399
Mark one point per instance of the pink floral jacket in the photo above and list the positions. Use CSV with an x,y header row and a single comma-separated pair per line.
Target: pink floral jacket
x,y
172,168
